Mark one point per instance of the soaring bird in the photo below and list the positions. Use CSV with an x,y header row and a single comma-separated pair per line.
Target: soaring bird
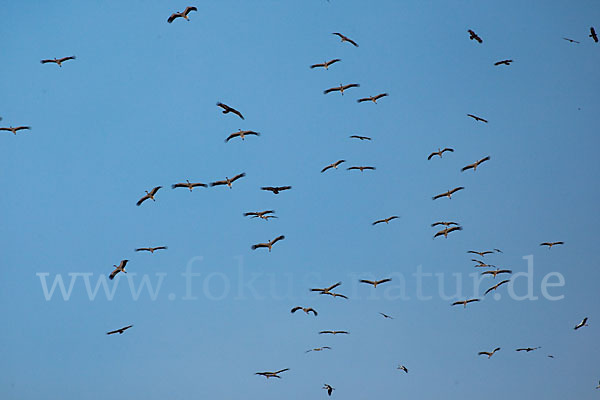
x,y
476,118
475,164
241,134
272,374
481,264
119,331
327,289
480,253
375,283
228,181
464,302
15,129
360,137
386,220
361,169
503,62
188,185
58,61
449,193
334,332
593,34
183,14
403,368
447,230
119,268
528,349
149,195
372,98
227,109
488,353
341,88
328,388
386,316
496,272
550,244
445,223
581,324
151,249
570,40
496,286
345,38
439,152
326,64
269,244
305,309
473,36
334,165
275,189
260,214
335,295
319,349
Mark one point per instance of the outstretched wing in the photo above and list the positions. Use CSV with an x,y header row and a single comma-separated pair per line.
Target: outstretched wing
x,y
235,178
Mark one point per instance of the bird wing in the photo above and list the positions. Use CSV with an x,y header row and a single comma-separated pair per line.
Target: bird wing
x,y
47,61
114,273
484,353
367,281
484,159
384,280
188,9
236,112
178,185
313,310
295,309
352,41
455,228
232,136
350,85
431,156
338,162
172,17
317,66
363,99
331,90
333,286
66,58
322,332
456,189
153,191
448,149
278,238
457,303
140,201
235,178
199,184
281,370
438,196
143,249
380,96
468,167
326,168
270,188
218,183
472,300
256,246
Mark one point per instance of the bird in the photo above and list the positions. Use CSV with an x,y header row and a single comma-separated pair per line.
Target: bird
x,y
183,14
372,98
119,331
475,164
503,62
241,134
345,38
326,64
439,152
593,34
341,88
488,353
228,181
481,264
327,289
446,231
119,268
498,250
375,283
188,185
386,316
335,295
227,109
476,118
260,214
275,189
496,286
474,36
464,302
305,309
15,129
570,40
550,244
272,374
269,244
149,195
319,349
581,324
386,220
328,388
360,137
496,272
57,61
528,349
449,193
151,249
334,165
445,223
550,356
403,368
480,253
361,169
334,332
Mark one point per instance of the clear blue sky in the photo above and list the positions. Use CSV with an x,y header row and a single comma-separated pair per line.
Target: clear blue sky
x,y
136,109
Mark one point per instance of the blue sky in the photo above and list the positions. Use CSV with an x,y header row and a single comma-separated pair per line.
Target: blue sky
x,y
136,109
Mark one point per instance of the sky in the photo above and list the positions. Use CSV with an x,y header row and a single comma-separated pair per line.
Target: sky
x,y
137,109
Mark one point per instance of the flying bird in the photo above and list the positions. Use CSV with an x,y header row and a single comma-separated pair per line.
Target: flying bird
x,y
272,374
188,185
446,231
360,137
476,118
386,316
403,368
570,40
334,332
475,164
345,39
503,62
151,249
183,14
334,165
480,253
58,61
528,349
149,195
581,324
473,36
550,244
275,189
119,268
341,88
496,286
242,134
375,283
328,388
372,98
119,331
228,181
593,34
386,220
227,109
261,214
439,152
269,244
481,264
327,289
464,302
498,250
445,223
326,64
496,272
488,353
361,169
15,129
449,193
305,309
319,349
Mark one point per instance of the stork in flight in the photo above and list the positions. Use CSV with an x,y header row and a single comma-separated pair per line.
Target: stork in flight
x,y
319,349
372,98
227,109
15,129
503,62
119,268
361,169
329,389
593,34
183,14
386,316
476,118
475,164
386,220
550,244
570,40
326,64
327,289
403,368
360,137
480,253
188,185
260,214
496,286
242,134
305,309
275,189
228,181
445,223
151,249
119,331
581,324
345,39
341,88
58,61
496,272
334,332
149,195
272,374
481,264
334,165
449,193
464,302
269,244
447,230
528,349
440,152
488,353
375,283
474,36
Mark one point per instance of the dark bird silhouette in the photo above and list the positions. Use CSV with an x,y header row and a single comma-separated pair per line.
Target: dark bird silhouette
x,y
149,195
475,164
361,169
183,14
242,134
275,189
473,36
528,349
328,388
228,181
326,64
188,185
581,324
496,272
375,283
449,193
446,231
496,286
480,253
227,109
58,61
593,34
334,332
261,214
335,295
119,268
445,223
439,152
503,62
119,331
481,264
269,244
305,309
372,98
345,39
550,244
386,220
15,129
464,302
151,249
334,165
498,250
327,289
319,349
403,368
360,137
272,374
488,353
570,40
386,316
341,88
476,118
